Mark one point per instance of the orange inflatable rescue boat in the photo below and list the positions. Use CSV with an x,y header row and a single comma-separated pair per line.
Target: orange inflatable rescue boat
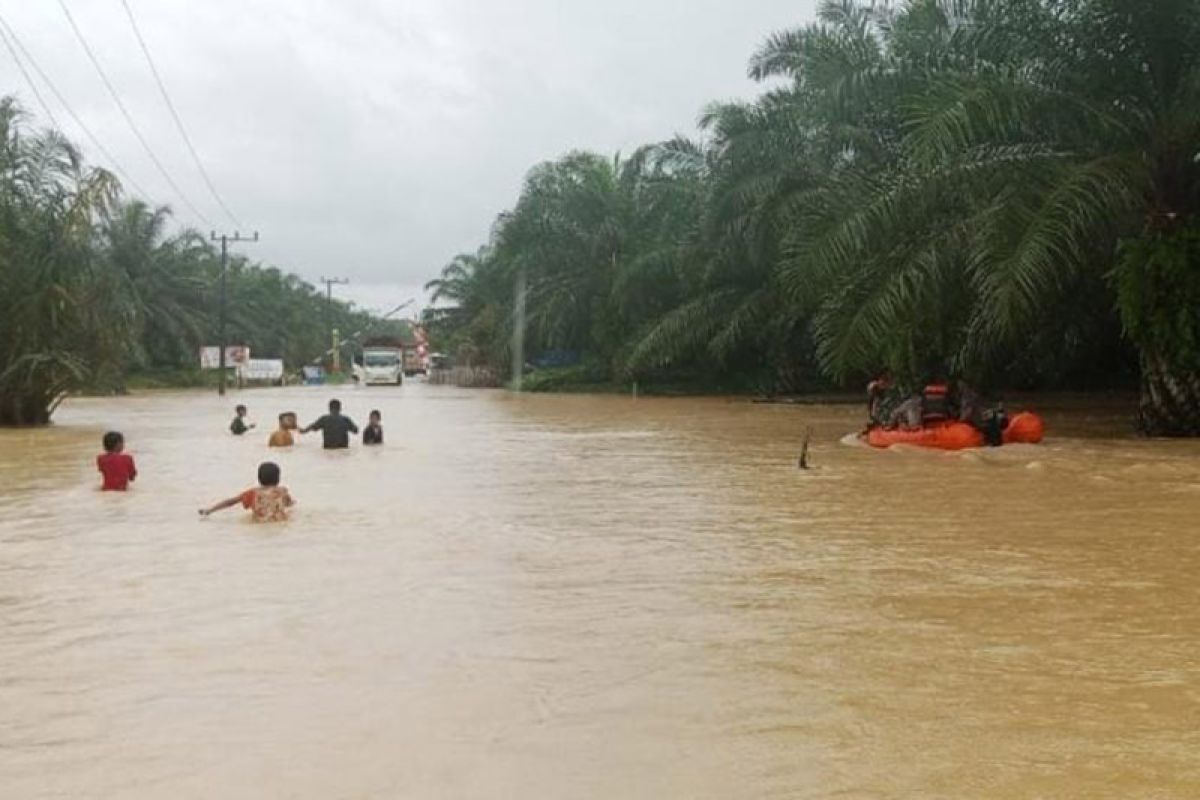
x,y
1023,428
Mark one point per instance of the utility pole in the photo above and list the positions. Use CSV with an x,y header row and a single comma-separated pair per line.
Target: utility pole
x,y
333,335
225,239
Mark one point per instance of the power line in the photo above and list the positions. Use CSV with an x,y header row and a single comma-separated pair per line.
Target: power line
x,y
129,117
116,165
175,115
29,79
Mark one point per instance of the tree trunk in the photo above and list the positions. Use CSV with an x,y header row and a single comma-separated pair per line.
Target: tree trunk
x,y
1170,401
24,409
1158,295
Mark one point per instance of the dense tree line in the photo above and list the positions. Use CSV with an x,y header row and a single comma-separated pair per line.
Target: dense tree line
x,y
92,288
1005,189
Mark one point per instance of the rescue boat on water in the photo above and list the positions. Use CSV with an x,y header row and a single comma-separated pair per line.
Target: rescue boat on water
x,y
1023,428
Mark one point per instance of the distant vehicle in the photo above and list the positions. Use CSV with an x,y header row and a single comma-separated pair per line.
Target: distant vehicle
x,y
382,365
414,362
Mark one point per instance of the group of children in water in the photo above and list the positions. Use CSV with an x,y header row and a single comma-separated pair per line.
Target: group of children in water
x,y
334,426
267,502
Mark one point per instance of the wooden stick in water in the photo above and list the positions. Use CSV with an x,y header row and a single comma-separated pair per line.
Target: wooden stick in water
x,y
804,448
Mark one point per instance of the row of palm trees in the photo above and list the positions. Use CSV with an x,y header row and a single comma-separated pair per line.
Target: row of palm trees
x,y
1003,188
92,287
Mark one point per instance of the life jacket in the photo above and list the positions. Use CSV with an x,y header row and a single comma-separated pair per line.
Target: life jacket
x,y
935,403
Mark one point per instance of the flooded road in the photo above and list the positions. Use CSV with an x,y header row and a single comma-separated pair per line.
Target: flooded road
x,y
595,597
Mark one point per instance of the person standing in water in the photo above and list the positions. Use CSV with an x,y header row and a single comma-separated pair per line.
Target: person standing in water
x,y
373,433
335,429
115,464
239,424
269,502
282,436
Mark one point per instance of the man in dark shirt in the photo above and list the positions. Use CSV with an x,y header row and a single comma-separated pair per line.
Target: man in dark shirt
x,y
335,429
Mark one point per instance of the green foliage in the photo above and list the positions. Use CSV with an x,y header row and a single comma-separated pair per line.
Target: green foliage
x,y
931,184
62,315
1158,293
1157,282
92,288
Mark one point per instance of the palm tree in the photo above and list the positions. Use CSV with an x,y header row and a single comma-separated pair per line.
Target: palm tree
x,y
1066,157
568,234
63,317
165,280
758,161
470,302
92,288
1000,187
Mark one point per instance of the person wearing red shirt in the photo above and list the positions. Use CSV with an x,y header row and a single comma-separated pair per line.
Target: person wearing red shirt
x,y
115,464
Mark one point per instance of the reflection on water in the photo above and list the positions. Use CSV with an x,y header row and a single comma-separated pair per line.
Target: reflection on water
x,y
595,597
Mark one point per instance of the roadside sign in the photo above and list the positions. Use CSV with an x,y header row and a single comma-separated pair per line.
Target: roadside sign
x,y
261,369
235,355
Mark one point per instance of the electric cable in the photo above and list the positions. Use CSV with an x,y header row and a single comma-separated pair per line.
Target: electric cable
x,y
29,79
32,62
129,117
187,140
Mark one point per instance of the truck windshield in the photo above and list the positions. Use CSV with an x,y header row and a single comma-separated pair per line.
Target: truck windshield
x,y
380,360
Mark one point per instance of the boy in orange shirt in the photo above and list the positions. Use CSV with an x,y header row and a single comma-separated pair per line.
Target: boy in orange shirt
x,y
282,437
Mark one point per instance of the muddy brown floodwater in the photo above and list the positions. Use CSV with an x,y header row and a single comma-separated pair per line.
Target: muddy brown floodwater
x,y
595,597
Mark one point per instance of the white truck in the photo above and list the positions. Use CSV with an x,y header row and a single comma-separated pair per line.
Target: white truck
x,y
414,362
382,365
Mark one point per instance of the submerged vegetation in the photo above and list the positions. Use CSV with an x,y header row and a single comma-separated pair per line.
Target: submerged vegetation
x,y
93,289
1003,188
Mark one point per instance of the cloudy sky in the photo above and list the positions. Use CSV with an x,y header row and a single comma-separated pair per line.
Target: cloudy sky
x,y
374,139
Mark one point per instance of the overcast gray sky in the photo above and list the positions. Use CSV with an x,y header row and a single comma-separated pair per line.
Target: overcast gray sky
x,y
374,139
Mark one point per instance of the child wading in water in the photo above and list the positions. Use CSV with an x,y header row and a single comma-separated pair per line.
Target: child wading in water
x,y
268,503
282,437
373,433
239,424
115,464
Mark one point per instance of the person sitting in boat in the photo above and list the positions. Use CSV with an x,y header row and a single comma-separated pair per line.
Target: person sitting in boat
x,y
906,416
935,401
880,399
993,420
989,418
968,403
